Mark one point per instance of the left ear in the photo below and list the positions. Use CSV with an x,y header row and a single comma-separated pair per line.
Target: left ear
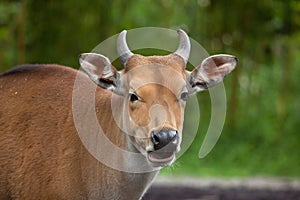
x,y
210,72
101,71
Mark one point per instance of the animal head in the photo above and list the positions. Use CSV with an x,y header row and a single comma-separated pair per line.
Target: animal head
x,y
154,91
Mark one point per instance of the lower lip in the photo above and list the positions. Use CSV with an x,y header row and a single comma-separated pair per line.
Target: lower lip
x,y
160,160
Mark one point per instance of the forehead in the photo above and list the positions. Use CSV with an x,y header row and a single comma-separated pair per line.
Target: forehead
x,y
172,61
168,71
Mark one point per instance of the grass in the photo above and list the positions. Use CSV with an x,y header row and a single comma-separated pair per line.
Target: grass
x,y
240,159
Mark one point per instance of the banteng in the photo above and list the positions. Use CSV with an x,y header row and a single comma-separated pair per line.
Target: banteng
x,y
140,110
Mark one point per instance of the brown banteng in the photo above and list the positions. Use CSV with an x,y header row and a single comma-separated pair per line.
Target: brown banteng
x,y
139,109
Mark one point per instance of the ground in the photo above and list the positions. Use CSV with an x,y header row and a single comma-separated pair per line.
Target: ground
x,y
224,189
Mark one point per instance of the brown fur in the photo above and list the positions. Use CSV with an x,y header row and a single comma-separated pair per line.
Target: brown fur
x,y
41,156
171,60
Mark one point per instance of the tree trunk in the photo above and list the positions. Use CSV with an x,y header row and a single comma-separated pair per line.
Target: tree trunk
x,y
286,58
21,34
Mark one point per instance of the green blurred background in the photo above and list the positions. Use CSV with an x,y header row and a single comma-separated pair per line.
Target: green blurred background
x,y
261,134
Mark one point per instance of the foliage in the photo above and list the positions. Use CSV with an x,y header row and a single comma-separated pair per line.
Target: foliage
x,y
261,133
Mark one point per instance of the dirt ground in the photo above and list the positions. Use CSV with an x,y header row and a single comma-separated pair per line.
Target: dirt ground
x,y
214,193
224,190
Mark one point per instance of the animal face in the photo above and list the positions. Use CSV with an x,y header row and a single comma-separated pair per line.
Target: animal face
x,y
155,99
154,91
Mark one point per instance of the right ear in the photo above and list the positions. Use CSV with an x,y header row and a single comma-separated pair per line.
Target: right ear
x,y
101,71
211,71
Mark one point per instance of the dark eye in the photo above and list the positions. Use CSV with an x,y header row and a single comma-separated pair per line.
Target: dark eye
x,y
133,97
184,96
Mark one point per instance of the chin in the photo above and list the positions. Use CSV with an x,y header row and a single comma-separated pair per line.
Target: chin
x,y
159,160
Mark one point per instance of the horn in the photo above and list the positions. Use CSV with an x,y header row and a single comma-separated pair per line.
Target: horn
x,y
122,48
184,46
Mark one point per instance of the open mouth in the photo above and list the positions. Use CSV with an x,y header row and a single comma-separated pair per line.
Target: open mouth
x,y
161,158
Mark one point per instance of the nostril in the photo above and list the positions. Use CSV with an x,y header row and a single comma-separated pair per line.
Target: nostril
x,y
173,134
155,139
175,139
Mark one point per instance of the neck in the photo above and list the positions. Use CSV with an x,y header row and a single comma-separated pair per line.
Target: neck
x,y
139,173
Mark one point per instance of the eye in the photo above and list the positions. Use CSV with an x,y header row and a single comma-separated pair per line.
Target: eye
x,y
184,96
133,97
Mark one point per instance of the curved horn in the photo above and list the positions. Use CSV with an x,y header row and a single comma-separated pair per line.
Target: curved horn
x,y
184,46
122,48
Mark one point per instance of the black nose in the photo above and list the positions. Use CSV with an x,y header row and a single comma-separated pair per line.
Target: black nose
x,y
167,139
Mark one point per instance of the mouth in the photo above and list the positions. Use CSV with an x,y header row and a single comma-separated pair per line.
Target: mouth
x,y
161,159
